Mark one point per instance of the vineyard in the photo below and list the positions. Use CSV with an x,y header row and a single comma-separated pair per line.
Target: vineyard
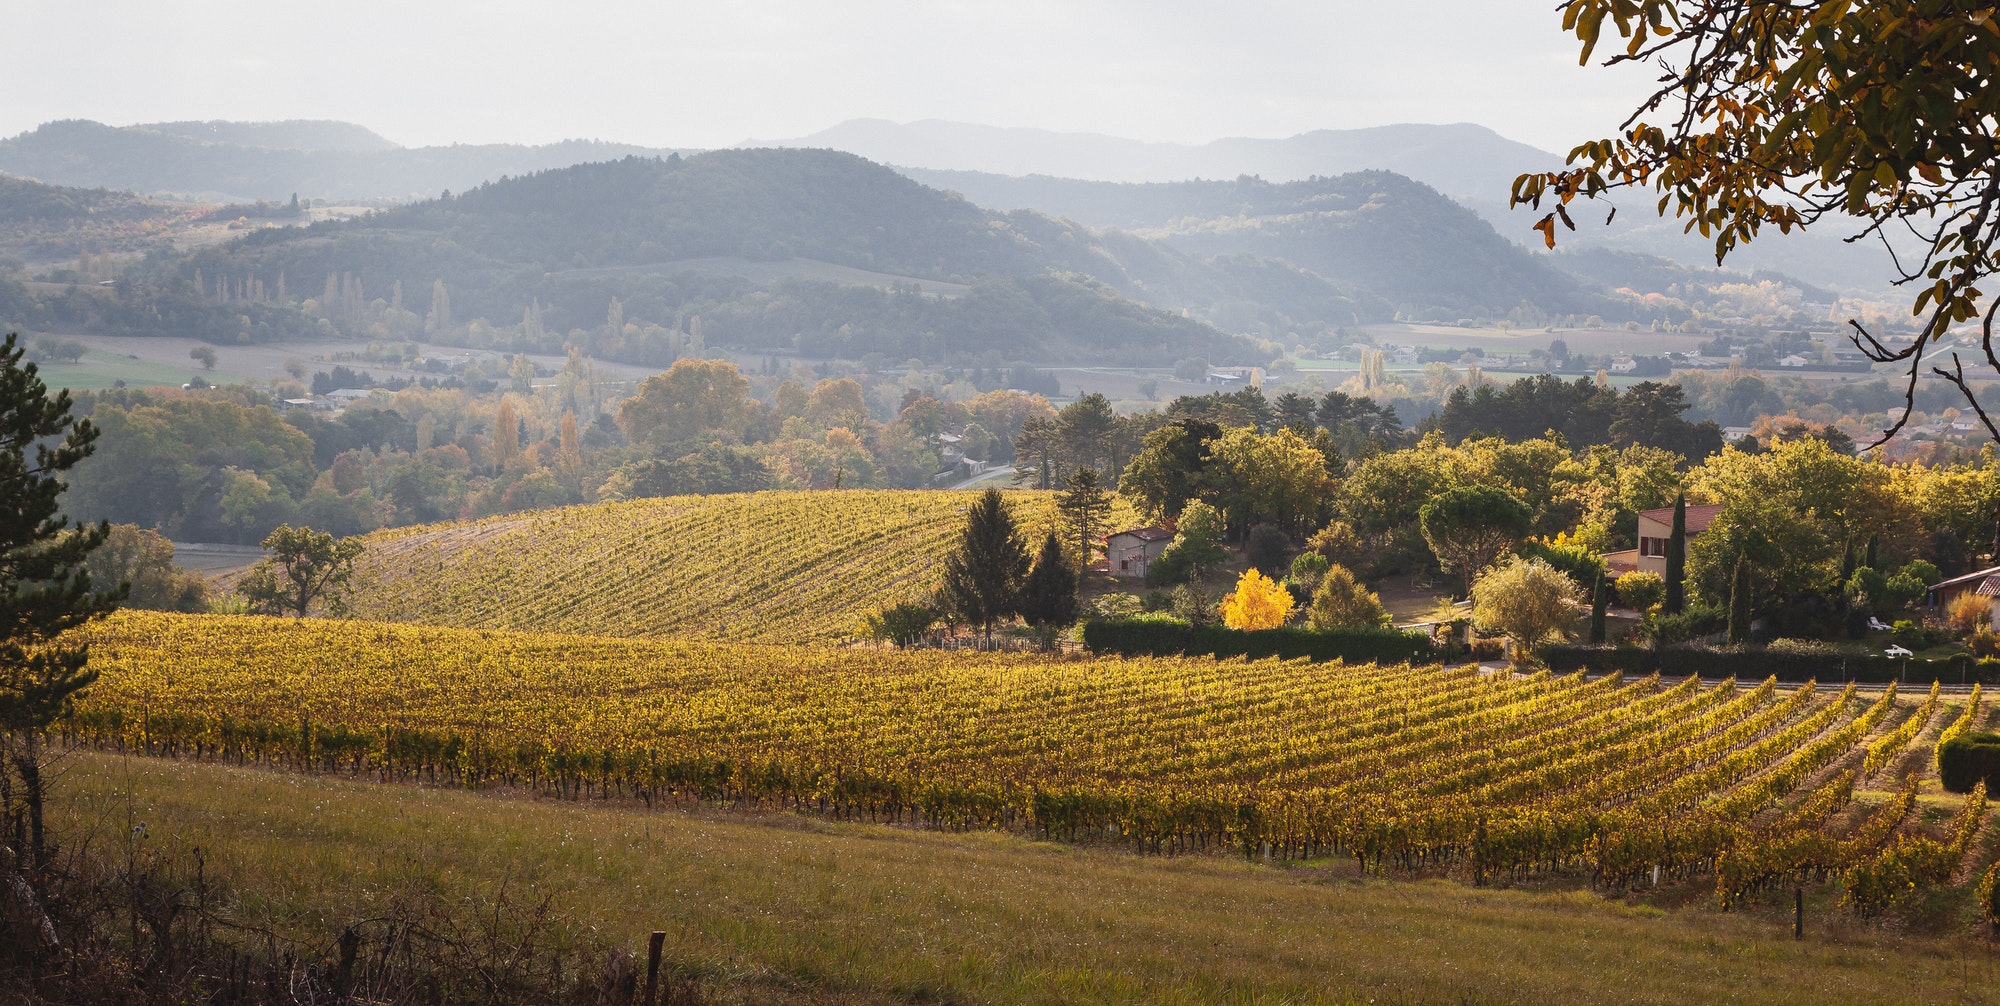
x,y
771,567
1395,768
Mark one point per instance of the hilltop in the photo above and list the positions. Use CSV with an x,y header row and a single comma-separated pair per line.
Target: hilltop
x,y
243,162
770,567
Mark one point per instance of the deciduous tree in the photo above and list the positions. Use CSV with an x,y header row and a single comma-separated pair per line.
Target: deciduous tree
x,y
1342,602
1529,600
1258,602
304,566
1874,115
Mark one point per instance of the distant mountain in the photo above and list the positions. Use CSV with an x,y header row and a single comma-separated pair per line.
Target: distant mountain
x,y
45,222
1471,164
242,162
1368,230
290,134
1460,159
815,252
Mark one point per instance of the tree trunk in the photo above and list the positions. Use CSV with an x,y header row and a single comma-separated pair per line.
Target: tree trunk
x,y
28,762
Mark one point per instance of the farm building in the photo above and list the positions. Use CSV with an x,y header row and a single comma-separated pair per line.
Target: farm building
x,y
1130,552
1985,583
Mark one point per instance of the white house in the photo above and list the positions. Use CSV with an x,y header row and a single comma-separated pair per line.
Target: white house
x,y
1128,553
1624,365
1794,360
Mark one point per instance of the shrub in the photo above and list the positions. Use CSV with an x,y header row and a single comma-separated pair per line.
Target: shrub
x,y
1909,634
1159,637
1527,599
902,623
1968,759
1193,605
1640,590
1984,643
1487,649
1695,622
1268,549
1308,568
1342,603
1970,612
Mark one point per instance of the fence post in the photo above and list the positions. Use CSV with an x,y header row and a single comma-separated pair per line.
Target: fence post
x,y
653,966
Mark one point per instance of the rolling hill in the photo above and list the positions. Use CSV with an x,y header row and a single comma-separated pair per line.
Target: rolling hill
x,y
769,567
242,162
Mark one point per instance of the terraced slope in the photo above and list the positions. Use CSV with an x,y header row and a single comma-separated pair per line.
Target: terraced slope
x,y
773,567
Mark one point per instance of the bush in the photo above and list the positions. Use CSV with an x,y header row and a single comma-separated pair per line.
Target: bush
x,y
902,623
1640,590
1751,664
1984,643
1156,637
1966,760
1695,622
1308,568
1484,650
1909,634
1268,549
1970,612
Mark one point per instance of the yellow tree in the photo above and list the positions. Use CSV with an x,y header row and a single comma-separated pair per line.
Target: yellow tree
x,y
506,435
1258,602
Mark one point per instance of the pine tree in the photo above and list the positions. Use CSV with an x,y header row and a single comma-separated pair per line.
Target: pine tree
x,y
982,580
1739,603
1086,507
1677,548
45,589
1048,599
1599,600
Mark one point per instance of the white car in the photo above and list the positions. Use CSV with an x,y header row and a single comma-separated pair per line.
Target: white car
x,y
1897,651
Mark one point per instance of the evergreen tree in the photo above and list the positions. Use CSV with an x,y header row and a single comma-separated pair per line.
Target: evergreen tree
x,y
1739,603
982,580
1086,507
1873,541
45,588
1048,599
1599,592
1677,551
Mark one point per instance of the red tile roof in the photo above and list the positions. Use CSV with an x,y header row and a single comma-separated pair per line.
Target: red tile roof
x,y
1143,534
1698,517
1979,578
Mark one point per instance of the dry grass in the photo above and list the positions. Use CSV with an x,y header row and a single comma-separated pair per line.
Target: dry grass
x,y
784,908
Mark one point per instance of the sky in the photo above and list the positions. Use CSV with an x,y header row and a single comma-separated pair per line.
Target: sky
x,y
716,73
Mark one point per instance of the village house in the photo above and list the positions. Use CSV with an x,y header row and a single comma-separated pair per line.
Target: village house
x,y
1985,584
1655,528
1129,552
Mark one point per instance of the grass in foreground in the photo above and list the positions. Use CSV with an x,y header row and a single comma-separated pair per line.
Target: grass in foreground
x,y
784,908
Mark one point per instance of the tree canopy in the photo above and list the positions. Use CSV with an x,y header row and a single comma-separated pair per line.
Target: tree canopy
x,y
1880,114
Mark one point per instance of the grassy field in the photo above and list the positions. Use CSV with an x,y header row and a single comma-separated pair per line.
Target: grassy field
x,y
766,567
784,909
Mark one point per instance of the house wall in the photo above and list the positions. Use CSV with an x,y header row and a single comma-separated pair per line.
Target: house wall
x,y
1129,556
1946,598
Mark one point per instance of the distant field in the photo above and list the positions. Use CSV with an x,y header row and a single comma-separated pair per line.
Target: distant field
x,y
1524,340
770,567
781,909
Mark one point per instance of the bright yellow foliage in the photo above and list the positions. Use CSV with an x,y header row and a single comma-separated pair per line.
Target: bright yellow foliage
x,y
1258,602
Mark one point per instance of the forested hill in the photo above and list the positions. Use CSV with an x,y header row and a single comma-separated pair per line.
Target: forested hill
x,y
817,252
1369,230
243,162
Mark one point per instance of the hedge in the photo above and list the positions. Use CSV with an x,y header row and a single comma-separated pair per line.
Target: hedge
x,y
1150,637
1966,759
1756,665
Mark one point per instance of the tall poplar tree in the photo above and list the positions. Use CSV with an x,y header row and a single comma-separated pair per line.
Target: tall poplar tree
x,y
1677,557
982,579
1739,603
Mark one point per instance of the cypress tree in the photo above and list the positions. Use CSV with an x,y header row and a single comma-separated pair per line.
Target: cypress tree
x,y
1677,548
1739,604
1048,599
1598,602
1873,540
982,580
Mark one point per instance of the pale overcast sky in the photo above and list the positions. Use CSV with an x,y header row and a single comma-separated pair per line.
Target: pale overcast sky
x,y
718,72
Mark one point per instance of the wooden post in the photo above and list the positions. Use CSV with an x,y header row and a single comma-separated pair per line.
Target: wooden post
x,y
1799,910
653,966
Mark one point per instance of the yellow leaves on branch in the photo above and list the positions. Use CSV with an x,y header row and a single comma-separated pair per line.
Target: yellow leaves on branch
x,y
1257,603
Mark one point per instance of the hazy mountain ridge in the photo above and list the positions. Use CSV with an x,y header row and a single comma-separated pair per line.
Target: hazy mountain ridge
x,y
151,160
288,134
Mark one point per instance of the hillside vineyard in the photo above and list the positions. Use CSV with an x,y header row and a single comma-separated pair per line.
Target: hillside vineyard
x,y
763,567
1394,767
